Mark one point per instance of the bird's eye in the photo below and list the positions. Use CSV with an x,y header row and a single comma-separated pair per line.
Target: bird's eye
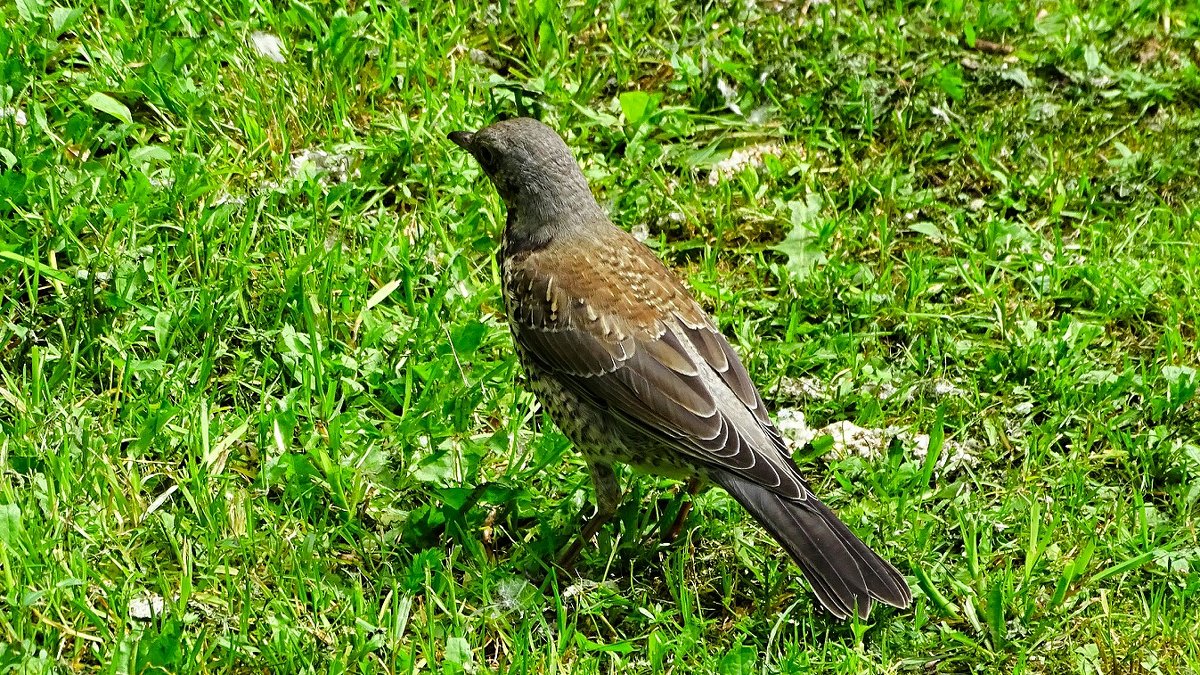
x,y
486,157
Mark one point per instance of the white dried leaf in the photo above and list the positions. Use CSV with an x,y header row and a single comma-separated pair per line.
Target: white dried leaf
x,y
268,46
803,389
741,158
332,166
147,606
947,389
850,440
730,94
794,427
17,114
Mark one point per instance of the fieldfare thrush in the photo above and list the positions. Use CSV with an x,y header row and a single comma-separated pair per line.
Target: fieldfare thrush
x,y
632,369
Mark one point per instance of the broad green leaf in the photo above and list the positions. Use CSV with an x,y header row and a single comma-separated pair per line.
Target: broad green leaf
x,y
928,229
466,339
438,469
458,652
950,79
30,10
1017,76
107,104
802,245
62,19
740,660
635,105
150,153
10,524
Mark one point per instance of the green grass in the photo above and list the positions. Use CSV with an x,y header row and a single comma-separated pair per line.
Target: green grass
x,y
287,404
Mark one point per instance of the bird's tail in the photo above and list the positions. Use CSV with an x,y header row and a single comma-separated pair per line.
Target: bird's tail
x,y
844,572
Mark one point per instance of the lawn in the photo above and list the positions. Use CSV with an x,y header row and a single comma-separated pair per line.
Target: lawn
x,y
260,410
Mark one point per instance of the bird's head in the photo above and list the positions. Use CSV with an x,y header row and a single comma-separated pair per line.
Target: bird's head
x,y
532,169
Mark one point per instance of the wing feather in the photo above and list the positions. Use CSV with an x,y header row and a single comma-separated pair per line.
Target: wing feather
x,y
670,373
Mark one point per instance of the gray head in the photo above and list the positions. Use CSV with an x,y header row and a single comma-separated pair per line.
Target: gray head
x,y
534,172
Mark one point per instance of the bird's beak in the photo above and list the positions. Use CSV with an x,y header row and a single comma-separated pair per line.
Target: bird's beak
x,y
462,139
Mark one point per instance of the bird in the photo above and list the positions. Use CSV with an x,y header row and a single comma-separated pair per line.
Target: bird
x,y
634,371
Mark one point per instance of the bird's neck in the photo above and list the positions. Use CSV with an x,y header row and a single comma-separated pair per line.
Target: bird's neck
x,y
536,220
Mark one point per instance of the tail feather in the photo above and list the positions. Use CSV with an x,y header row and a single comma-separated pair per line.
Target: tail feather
x,y
846,575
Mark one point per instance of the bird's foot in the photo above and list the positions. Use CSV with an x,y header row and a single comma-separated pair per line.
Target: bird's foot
x,y
670,534
566,561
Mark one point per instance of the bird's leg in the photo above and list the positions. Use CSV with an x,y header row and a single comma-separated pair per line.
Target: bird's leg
x,y
608,498
671,533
